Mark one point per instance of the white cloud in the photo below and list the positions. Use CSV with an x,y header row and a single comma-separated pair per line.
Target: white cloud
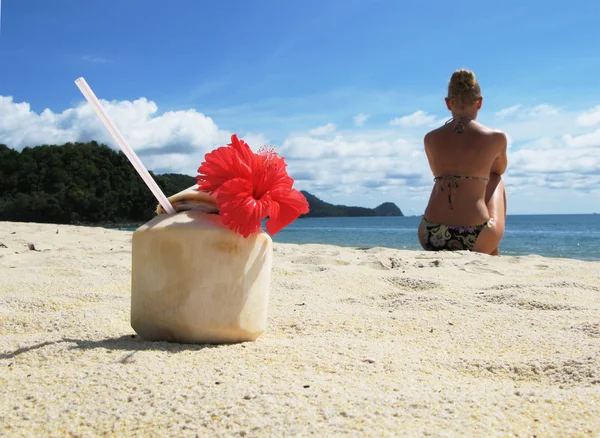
x,y
509,140
523,112
256,141
323,130
504,112
590,117
357,164
154,136
360,119
577,157
416,119
96,59
541,110
591,140
553,152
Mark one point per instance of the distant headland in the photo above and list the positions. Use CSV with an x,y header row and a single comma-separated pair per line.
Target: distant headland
x,y
319,208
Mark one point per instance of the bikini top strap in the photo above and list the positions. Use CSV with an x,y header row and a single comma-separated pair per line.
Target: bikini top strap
x,y
452,184
453,177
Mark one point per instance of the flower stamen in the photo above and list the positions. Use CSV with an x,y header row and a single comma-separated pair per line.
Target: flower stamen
x,y
267,155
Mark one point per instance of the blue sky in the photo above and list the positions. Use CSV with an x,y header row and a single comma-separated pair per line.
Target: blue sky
x,y
345,89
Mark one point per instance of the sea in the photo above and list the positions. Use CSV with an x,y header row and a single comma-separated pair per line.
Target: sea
x,y
574,236
569,236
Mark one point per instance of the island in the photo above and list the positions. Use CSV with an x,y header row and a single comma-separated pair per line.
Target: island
x,y
92,184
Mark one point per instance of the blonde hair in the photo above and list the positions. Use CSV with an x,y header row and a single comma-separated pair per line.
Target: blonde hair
x,y
463,88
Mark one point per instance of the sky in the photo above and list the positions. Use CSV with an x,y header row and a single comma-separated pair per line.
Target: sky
x,y
345,90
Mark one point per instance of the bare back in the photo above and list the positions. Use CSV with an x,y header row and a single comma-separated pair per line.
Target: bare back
x,y
472,155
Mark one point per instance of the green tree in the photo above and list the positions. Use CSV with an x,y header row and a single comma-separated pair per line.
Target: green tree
x,y
77,183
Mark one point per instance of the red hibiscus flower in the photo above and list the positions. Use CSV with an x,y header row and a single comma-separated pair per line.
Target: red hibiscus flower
x,y
250,187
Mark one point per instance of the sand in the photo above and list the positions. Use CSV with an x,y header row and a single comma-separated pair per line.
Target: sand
x,y
360,342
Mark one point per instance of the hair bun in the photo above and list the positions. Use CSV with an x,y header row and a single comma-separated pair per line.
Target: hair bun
x,y
463,87
464,79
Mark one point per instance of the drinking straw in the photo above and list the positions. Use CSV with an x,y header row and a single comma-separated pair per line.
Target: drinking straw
x,y
127,150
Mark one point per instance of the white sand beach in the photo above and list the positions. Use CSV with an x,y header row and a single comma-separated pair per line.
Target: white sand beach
x,y
360,342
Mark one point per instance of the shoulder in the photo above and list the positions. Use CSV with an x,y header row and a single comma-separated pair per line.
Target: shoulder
x,y
427,138
499,138
431,136
495,136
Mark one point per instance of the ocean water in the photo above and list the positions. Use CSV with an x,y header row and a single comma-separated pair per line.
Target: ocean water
x,y
569,236
575,236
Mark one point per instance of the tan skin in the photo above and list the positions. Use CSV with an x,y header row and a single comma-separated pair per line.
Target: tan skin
x,y
478,152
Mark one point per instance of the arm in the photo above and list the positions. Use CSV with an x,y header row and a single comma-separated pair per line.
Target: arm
x,y
501,162
429,158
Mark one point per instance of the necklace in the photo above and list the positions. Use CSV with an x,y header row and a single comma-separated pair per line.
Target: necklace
x,y
459,126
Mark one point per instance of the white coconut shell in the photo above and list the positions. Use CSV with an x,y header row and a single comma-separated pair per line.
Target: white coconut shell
x,y
195,281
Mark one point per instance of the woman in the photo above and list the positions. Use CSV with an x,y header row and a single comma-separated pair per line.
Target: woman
x,y
467,207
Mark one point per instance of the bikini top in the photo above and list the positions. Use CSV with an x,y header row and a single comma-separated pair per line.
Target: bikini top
x,y
452,184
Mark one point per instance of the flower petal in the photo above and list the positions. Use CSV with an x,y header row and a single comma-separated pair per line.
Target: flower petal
x,y
238,209
243,149
271,176
285,209
221,165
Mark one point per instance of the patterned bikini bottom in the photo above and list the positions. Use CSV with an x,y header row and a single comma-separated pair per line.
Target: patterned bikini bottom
x,y
440,237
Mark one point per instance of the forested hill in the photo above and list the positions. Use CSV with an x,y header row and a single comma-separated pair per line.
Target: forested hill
x,y
94,184
77,183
